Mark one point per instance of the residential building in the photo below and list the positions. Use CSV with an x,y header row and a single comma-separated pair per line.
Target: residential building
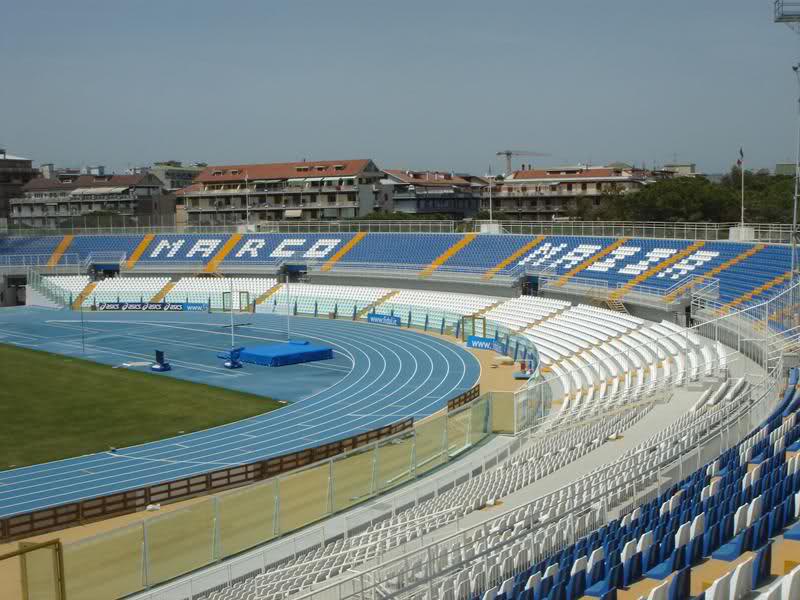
x,y
681,170
15,172
334,189
545,194
786,169
173,174
53,202
432,192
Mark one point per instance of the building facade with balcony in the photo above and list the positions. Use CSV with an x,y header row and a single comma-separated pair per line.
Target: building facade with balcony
x,y
255,193
546,194
51,203
174,175
433,192
15,172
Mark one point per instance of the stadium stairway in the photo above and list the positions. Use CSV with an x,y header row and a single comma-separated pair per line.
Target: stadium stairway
x,y
590,261
343,251
752,251
467,239
620,293
517,254
486,309
62,247
162,293
229,245
757,291
85,293
139,250
263,297
364,311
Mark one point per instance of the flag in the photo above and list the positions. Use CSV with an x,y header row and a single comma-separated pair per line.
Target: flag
x,y
741,158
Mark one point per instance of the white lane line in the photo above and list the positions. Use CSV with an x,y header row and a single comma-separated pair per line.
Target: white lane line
x,y
381,415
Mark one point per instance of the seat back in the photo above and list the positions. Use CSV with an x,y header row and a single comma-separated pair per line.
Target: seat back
x,y
761,566
720,589
742,580
679,587
660,592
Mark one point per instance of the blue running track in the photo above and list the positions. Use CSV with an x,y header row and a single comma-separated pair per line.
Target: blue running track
x,y
379,375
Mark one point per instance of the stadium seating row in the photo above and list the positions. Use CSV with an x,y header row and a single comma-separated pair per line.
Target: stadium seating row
x,y
537,461
543,457
655,266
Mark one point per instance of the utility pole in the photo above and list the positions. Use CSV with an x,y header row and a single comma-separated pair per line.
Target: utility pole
x,y
788,13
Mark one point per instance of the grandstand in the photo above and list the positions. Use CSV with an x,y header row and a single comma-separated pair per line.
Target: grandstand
x,y
644,454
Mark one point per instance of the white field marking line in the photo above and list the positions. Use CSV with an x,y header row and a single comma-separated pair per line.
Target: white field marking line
x,y
188,365
146,338
182,343
127,456
326,367
160,445
401,415
89,457
372,403
75,326
22,335
170,461
458,383
203,462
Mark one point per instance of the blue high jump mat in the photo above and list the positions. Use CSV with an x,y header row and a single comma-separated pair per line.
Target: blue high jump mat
x,y
289,353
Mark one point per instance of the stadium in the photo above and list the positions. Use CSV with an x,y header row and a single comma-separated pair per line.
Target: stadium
x,y
409,410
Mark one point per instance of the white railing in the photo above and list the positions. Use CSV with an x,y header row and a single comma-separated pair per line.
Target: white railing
x,y
409,271
37,260
642,293
776,233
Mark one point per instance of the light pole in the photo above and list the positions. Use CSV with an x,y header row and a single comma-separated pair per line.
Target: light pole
x,y
247,200
490,177
795,234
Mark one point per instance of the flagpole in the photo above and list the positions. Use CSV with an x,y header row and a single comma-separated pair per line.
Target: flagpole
x,y
742,168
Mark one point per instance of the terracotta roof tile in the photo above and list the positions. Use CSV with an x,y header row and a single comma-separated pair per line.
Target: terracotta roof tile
x,y
426,178
317,168
84,181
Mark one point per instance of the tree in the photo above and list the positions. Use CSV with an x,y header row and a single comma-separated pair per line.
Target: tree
x,y
678,199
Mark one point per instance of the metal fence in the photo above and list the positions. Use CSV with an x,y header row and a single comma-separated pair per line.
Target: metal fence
x,y
160,548
776,233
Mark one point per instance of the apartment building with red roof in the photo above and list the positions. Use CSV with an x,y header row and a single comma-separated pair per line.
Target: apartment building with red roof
x,y
553,193
433,192
310,190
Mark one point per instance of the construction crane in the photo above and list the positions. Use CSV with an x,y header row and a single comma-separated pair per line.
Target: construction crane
x,y
509,153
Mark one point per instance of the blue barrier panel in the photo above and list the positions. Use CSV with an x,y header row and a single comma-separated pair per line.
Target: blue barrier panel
x,y
151,306
482,343
383,319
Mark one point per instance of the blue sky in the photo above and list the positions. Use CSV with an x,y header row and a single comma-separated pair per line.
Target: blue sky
x,y
412,84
